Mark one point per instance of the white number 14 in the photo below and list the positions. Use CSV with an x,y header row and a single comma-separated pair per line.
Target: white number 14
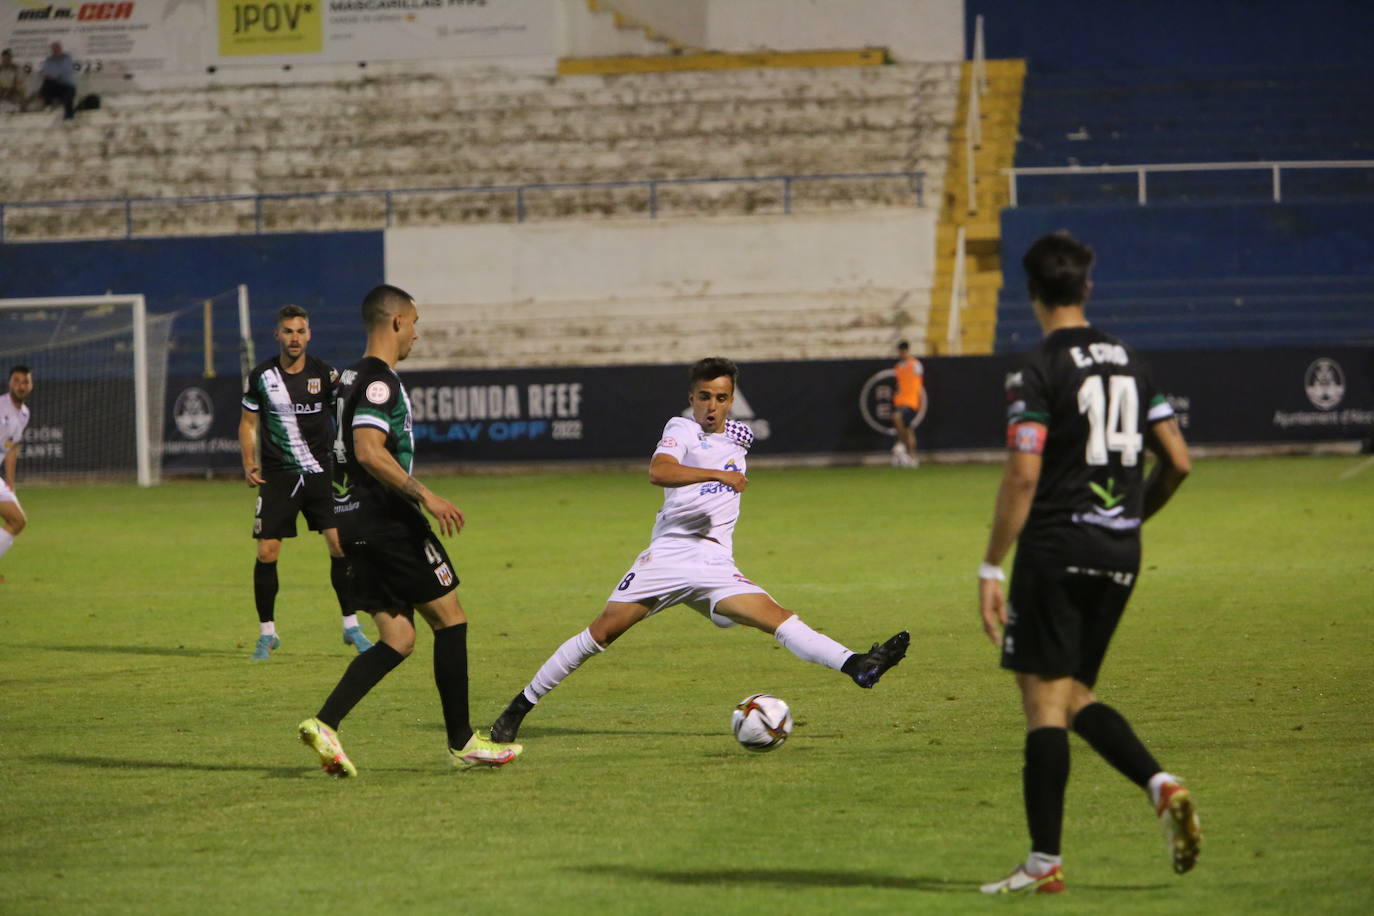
x,y
1113,423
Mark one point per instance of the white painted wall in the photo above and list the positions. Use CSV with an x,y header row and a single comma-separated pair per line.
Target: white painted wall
x,y
684,21
912,30
663,259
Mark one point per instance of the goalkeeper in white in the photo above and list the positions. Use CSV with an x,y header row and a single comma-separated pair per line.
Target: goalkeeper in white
x,y
700,463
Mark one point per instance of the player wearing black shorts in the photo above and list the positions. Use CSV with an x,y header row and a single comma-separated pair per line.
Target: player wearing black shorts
x,y
399,566
287,416
1082,411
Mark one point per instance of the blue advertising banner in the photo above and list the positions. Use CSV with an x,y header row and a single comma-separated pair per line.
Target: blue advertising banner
x,y
800,408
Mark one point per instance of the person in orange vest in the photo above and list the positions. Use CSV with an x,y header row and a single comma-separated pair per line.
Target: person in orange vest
x,y
906,404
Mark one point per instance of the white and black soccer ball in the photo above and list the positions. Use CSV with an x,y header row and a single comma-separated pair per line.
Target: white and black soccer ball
x,y
761,722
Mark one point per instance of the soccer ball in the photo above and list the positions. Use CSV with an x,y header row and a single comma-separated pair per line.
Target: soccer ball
x,y
761,722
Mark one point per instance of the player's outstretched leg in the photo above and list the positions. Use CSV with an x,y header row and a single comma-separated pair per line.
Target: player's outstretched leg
x,y
566,659
321,739
867,669
1178,819
507,725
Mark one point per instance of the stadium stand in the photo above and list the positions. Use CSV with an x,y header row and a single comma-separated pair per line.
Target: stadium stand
x,y
1216,262
452,127
1125,117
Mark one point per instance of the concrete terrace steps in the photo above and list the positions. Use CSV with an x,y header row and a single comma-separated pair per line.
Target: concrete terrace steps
x,y
448,128
835,324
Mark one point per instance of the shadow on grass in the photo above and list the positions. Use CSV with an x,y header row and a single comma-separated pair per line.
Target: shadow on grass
x,y
535,732
128,763
140,650
790,877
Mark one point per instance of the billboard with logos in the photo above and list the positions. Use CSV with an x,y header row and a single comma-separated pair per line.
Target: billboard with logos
x,y
1301,395
184,36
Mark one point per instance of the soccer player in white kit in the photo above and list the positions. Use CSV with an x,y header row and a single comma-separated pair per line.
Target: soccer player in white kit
x,y
700,463
14,418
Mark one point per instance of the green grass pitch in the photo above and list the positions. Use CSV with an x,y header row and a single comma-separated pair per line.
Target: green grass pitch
x,y
147,766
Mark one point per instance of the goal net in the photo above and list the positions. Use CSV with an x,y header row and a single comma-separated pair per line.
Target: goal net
x,y
99,382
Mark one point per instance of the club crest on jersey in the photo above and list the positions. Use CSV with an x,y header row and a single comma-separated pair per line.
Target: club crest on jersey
x,y
312,385
379,392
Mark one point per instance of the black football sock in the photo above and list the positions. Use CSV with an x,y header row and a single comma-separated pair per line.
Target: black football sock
x,y
1111,736
451,677
339,577
363,673
265,590
1043,781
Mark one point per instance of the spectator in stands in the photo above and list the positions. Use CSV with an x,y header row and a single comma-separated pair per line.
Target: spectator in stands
x,y
59,80
11,81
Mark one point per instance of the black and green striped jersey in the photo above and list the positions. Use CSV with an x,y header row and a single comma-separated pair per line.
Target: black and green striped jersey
x,y
370,395
1097,402
295,415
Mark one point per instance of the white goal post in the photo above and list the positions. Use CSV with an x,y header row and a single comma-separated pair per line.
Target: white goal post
x,y
100,372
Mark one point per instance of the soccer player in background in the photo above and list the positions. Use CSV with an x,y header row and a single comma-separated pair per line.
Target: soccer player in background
x,y
1081,411
290,398
906,404
700,463
399,566
14,419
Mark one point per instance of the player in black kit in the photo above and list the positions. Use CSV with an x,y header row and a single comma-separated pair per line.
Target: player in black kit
x,y
399,566
290,399
1082,410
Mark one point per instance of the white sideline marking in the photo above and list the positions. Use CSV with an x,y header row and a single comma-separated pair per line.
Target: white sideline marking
x,y
1362,466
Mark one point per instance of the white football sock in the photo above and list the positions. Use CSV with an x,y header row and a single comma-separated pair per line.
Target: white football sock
x,y
1037,863
562,663
350,621
1157,780
6,541
809,646
267,629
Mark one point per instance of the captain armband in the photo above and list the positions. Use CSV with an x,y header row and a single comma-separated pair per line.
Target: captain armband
x,y
1027,437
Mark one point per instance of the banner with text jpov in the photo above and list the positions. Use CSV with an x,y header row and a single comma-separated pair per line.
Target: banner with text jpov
x,y
340,31
187,36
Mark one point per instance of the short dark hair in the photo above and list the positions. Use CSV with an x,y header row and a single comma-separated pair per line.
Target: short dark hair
x,y
20,368
1057,267
381,302
903,345
703,370
292,311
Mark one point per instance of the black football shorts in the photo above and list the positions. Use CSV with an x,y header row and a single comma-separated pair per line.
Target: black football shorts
x,y
1061,617
284,494
398,572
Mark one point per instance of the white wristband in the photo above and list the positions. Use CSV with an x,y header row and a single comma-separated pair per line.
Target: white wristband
x,y
989,571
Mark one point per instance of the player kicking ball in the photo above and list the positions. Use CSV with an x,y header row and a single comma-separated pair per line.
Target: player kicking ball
x,y
700,463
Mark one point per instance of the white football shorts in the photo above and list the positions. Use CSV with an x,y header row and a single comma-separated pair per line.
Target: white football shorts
x,y
6,494
684,570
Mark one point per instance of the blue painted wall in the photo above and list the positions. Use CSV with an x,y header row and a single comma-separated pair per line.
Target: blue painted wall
x,y
326,273
1065,35
1163,243
1208,276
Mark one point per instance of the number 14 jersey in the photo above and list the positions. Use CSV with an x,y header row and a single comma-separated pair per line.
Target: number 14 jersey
x,y
1097,401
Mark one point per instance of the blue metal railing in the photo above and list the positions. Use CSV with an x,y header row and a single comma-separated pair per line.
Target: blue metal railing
x,y
519,192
